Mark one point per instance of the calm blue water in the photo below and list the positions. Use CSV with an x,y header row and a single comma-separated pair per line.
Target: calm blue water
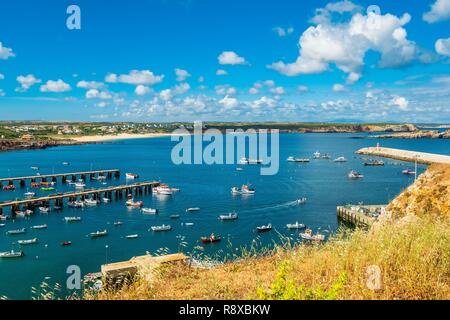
x,y
323,182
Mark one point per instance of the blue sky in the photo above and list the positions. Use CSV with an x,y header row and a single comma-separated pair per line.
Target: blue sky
x,y
175,60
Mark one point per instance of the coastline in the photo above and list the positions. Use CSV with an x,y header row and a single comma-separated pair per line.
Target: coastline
x,y
122,136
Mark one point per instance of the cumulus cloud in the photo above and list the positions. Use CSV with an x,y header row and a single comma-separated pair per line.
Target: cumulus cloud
x,y
55,86
278,90
142,90
345,45
90,84
230,57
221,72
181,74
353,77
302,88
339,88
6,53
283,32
135,77
168,94
439,11
26,82
96,94
443,47
225,89
324,15
400,102
229,102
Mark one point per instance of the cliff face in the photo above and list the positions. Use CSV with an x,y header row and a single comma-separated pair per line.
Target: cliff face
x,y
428,196
17,144
416,135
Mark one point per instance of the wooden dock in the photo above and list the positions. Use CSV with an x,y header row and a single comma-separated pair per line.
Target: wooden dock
x,y
53,177
96,194
359,215
405,155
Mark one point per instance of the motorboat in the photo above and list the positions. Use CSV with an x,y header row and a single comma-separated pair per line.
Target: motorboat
x,y
131,176
106,200
27,242
44,209
211,239
20,214
35,168
2,225
72,219
355,175
189,224
40,227
301,201
149,210
298,160
134,204
98,234
295,226
264,228
409,172
11,254
316,155
308,235
79,185
326,156
229,217
340,159
235,190
132,236
16,232
29,212
374,163
161,228
66,163
48,189
76,204
118,223
192,209
10,187
250,161
175,216
91,202
29,195
246,189
164,190
66,243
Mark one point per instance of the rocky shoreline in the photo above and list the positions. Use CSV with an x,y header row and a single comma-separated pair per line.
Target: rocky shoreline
x,y
421,134
18,144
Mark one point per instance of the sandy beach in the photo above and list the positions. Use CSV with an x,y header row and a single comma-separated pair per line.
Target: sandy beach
x,y
122,136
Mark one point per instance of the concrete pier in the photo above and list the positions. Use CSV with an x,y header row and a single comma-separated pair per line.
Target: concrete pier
x,y
405,155
359,215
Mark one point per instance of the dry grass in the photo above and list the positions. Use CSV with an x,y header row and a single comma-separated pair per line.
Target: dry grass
x,y
412,254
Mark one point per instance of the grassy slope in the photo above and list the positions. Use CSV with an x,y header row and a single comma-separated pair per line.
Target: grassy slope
x,y
413,255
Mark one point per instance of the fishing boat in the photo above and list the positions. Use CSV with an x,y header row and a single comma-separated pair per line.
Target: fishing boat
x,y
229,217
99,178
66,243
118,223
10,187
302,201
246,189
29,195
161,228
192,209
316,155
80,185
149,210
355,175
35,168
175,216
66,163
131,176
44,209
29,212
235,190
16,232
340,159
134,204
164,190
72,219
264,228
132,236
189,224
211,239
76,204
308,235
11,254
375,163
409,172
250,161
40,227
298,160
20,214
27,242
295,226
98,234
91,202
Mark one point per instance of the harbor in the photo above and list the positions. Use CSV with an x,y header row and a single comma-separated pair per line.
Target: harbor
x,y
360,215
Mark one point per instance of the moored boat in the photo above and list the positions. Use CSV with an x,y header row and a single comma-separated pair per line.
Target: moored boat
x,y
27,242
298,160
264,228
161,228
163,189
308,235
131,176
134,204
91,202
409,172
11,254
132,236
192,209
211,239
39,227
374,163
80,185
340,159
16,232
106,200
295,226
355,175
175,216
76,204
29,195
98,234
229,217
10,187
44,209
149,211
72,219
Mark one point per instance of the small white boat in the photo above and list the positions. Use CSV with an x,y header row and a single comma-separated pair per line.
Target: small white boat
x,y
29,212
20,214
80,185
264,228
29,195
229,217
149,210
27,242
250,161
235,190
295,226
134,204
11,254
192,209
76,204
44,209
131,176
15,232
355,175
246,189
72,219
308,235
91,202
409,172
161,228
132,236
106,200
316,155
39,227
98,234
298,160
34,168
2,225
302,201
100,178
66,163
164,190
340,159
118,223
189,224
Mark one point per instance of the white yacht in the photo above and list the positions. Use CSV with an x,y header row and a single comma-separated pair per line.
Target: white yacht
x,y
295,226
161,228
229,217
149,210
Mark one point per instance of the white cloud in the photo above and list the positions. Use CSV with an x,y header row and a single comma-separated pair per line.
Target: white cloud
x,y
400,102
231,57
253,90
6,53
278,90
90,84
101,104
282,32
353,77
55,86
345,45
269,83
228,102
26,82
96,94
443,47
225,90
2,93
135,77
339,88
302,88
221,72
323,15
181,74
439,11
2,76
142,90
168,94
